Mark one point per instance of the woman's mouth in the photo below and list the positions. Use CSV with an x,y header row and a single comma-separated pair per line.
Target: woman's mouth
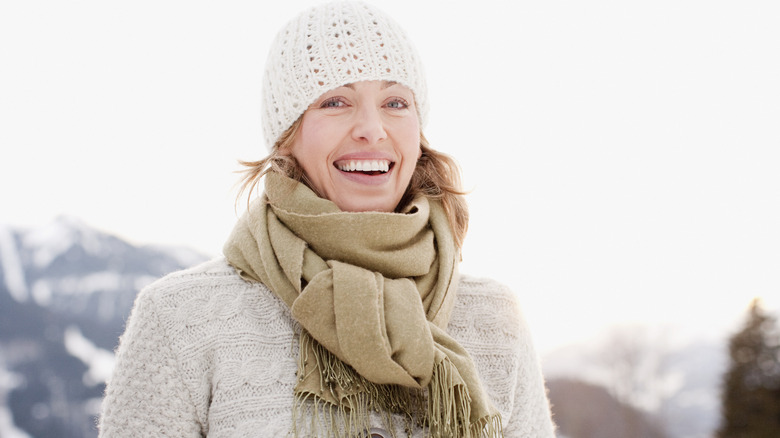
x,y
367,167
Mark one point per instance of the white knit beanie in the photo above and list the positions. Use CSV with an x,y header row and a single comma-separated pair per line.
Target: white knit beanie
x,y
329,46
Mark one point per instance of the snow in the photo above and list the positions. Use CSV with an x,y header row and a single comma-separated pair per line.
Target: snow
x,y
100,362
7,427
8,381
41,293
50,241
13,273
80,284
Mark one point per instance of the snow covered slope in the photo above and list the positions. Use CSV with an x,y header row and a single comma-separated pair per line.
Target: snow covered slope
x,y
65,292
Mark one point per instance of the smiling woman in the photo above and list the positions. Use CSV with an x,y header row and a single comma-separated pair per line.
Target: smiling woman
x,y
358,145
338,309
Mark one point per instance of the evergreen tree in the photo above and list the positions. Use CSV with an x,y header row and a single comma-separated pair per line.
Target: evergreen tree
x,y
751,386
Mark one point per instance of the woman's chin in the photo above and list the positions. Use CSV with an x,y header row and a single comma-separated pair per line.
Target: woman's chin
x,y
360,203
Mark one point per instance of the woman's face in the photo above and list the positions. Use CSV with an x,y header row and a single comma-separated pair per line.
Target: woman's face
x,y
358,145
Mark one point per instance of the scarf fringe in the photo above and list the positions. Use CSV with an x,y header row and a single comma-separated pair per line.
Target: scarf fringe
x,y
345,401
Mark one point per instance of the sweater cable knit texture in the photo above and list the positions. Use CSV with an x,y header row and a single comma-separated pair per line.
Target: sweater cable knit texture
x,y
206,353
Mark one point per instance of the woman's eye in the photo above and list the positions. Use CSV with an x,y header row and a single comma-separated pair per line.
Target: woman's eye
x,y
332,103
397,104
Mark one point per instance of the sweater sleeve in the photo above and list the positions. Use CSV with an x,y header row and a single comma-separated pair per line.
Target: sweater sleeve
x,y
146,395
531,416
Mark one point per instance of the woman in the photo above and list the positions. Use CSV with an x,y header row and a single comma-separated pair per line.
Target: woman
x,y
337,309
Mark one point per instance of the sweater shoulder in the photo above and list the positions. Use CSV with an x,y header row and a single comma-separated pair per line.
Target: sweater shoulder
x,y
488,312
213,277
214,270
486,287
208,298
483,297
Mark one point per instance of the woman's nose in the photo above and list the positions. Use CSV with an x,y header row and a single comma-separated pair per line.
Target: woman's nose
x,y
369,126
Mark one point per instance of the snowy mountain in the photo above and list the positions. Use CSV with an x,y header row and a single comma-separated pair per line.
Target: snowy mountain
x,y
65,292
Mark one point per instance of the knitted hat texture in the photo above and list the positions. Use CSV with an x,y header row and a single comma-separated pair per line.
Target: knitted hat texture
x,y
329,46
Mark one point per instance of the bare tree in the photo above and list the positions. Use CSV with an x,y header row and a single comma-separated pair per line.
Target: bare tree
x,y
635,359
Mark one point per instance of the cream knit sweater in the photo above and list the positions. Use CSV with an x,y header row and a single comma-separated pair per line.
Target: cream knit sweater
x,y
206,353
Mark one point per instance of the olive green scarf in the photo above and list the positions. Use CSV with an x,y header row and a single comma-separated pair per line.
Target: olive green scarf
x,y
373,293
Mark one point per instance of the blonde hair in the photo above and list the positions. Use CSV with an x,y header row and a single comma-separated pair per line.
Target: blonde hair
x,y
436,176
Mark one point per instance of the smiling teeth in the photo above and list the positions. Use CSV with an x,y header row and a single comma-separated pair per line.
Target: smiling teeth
x,y
364,166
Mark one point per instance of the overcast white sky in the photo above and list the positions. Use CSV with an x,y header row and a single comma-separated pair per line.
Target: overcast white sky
x,y
624,156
